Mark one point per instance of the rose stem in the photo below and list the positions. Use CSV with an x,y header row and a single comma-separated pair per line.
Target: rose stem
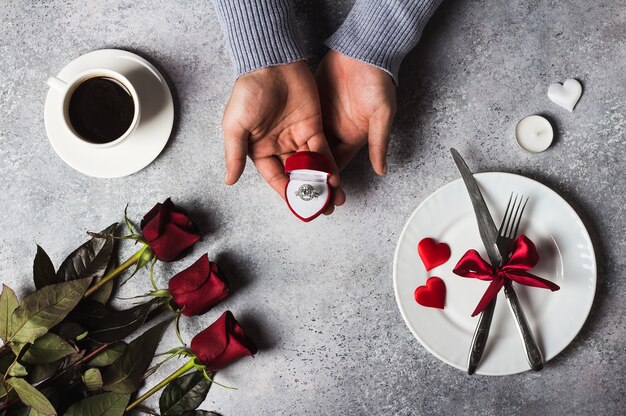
x,y
182,370
114,273
86,358
44,383
156,312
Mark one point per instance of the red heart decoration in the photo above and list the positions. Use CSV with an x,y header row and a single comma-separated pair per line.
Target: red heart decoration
x,y
433,254
433,295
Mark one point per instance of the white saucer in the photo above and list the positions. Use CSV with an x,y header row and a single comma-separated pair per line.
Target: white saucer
x,y
566,257
143,145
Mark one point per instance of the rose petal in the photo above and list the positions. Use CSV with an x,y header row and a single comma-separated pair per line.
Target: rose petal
x,y
222,343
173,243
196,289
212,342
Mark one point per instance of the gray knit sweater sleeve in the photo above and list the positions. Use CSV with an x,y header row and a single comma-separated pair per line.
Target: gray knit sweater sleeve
x,y
260,33
382,32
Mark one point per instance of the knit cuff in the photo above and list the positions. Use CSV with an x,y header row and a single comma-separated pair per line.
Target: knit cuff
x,y
382,32
260,33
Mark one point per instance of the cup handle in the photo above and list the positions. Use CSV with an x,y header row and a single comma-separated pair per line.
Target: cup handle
x,y
57,84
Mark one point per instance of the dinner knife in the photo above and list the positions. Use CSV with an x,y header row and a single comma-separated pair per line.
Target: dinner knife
x,y
487,229
488,234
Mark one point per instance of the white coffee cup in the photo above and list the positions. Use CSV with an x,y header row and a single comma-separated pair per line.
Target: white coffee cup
x,y
67,88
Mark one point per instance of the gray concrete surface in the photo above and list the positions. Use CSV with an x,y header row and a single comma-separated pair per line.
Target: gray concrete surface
x,y
318,298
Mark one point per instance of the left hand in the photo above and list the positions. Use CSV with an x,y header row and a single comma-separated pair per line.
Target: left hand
x,y
358,106
272,113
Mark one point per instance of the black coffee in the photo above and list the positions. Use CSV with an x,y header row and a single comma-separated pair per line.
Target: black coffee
x,y
101,110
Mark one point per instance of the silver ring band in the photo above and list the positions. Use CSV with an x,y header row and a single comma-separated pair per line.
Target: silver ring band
x,y
307,192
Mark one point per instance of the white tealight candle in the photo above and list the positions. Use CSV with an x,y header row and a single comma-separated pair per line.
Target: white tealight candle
x,y
534,134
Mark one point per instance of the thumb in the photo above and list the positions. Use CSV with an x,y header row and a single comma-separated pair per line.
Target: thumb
x,y
236,149
378,140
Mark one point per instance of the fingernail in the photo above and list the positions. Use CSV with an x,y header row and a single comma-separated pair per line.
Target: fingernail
x,y
385,168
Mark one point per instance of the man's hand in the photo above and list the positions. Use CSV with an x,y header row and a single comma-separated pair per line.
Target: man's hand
x,y
273,112
358,103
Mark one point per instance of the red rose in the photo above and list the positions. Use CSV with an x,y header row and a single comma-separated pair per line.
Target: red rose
x,y
222,343
169,231
198,287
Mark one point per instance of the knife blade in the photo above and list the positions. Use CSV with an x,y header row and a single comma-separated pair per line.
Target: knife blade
x,y
488,234
486,226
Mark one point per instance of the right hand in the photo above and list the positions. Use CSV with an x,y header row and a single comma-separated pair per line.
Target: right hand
x,y
272,113
359,104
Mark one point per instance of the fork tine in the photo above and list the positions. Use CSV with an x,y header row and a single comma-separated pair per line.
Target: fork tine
x,y
511,219
519,219
515,216
510,224
506,213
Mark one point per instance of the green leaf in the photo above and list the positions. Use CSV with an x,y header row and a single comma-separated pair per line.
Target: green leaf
x,y
105,404
47,349
184,394
20,409
43,269
45,308
6,360
108,356
92,379
61,394
41,372
73,358
18,370
117,325
31,396
70,330
90,259
125,375
104,292
8,303
87,312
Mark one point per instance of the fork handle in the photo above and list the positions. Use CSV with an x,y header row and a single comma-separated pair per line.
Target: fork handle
x,y
533,353
479,340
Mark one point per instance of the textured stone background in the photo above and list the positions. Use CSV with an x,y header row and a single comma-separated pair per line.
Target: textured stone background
x,y
318,298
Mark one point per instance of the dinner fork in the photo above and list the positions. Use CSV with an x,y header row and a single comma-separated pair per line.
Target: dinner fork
x,y
504,242
507,233
506,238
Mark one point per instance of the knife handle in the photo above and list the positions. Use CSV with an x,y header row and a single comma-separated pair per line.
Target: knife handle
x,y
479,340
533,353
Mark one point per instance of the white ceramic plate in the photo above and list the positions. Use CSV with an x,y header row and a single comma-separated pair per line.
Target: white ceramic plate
x,y
143,145
566,258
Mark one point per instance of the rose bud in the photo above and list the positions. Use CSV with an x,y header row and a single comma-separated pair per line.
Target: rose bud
x,y
197,288
169,231
222,343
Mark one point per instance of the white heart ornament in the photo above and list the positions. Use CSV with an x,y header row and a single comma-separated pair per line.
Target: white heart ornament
x,y
566,95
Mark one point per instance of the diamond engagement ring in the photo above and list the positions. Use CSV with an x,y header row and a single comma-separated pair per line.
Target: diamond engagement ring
x,y
307,192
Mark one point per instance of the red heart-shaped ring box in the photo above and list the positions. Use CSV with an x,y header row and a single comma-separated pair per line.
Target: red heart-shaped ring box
x,y
307,191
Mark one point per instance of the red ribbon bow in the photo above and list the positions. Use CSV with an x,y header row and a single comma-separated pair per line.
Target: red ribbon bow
x,y
523,258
